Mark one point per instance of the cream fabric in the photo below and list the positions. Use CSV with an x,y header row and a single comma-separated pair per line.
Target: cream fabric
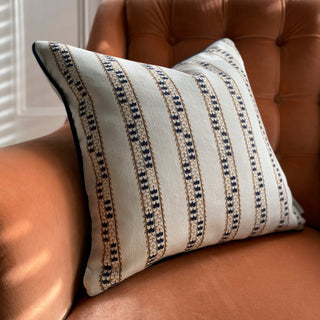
x,y
173,159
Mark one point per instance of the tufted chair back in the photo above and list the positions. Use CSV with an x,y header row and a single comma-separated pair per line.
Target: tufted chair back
x,y
279,41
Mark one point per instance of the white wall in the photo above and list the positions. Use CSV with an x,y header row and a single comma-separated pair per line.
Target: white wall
x,y
29,107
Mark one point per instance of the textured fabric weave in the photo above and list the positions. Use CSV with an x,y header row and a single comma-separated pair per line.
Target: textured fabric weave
x,y
173,159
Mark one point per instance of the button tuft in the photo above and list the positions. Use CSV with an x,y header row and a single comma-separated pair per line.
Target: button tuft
x,y
172,40
277,98
280,41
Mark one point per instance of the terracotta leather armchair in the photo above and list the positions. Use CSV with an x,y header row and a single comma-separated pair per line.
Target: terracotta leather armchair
x,y
44,224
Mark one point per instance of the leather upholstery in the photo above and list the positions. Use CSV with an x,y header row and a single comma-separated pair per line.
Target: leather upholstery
x,y
43,228
251,279
43,218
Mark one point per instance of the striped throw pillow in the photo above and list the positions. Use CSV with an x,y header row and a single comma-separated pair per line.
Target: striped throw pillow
x,y
173,159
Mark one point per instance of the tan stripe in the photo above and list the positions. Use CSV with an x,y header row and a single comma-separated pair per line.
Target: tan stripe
x,y
187,153
111,270
254,160
282,191
226,157
142,156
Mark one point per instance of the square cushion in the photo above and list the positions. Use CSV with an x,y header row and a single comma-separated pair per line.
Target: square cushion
x,y
173,159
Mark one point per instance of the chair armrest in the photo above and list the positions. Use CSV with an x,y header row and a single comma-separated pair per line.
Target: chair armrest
x,y
108,33
43,228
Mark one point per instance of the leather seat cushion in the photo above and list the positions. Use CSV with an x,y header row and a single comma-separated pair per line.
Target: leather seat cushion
x,y
272,277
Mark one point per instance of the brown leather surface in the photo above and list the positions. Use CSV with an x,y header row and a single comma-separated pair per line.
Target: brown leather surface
x,y
43,222
271,277
43,228
280,44
110,16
